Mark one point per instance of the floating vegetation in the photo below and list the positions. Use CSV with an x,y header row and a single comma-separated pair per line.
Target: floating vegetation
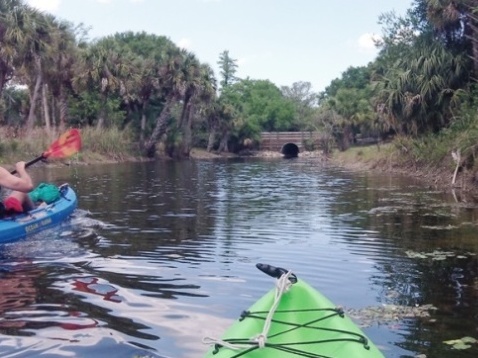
x,y
437,255
389,314
379,211
447,227
462,343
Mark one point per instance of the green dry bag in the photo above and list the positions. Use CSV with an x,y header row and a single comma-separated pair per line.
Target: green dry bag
x,y
45,192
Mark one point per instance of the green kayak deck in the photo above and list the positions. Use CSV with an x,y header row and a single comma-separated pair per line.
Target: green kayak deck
x,y
304,324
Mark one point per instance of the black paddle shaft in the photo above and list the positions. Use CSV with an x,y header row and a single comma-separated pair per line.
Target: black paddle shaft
x,y
33,161
276,272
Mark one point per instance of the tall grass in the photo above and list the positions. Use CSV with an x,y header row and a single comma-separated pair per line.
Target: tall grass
x,y
110,143
98,144
435,150
15,146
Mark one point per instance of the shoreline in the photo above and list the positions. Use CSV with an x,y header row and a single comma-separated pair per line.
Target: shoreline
x,y
464,190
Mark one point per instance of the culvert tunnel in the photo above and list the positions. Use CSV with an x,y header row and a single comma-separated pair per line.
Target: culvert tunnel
x,y
290,150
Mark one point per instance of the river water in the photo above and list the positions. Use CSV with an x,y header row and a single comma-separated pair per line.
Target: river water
x,y
160,255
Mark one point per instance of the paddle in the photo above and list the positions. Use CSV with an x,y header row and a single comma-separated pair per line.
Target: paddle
x,y
66,145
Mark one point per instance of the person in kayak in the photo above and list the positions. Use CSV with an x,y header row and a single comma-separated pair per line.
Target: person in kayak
x,y
17,200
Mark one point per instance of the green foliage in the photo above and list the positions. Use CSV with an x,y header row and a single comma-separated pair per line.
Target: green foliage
x,y
418,86
419,75
435,149
304,101
349,108
13,103
86,108
262,105
353,77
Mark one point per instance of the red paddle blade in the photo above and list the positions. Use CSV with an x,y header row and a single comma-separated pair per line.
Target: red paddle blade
x,y
68,144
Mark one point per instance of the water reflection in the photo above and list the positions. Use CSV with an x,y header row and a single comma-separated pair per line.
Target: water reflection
x,y
160,255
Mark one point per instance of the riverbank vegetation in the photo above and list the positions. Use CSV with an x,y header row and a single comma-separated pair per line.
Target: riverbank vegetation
x,y
140,95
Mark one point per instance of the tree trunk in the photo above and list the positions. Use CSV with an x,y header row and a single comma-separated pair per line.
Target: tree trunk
x,y
223,145
34,97
149,147
101,116
211,139
5,75
187,131
142,131
185,110
46,113
474,44
2,83
63,109
101,119
53,114
143,127
471,33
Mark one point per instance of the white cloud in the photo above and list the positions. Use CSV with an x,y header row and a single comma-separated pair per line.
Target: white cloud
x,y
184,43
45,5
367,41
105,1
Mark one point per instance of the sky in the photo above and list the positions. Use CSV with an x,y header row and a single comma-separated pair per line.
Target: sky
x,y
284,41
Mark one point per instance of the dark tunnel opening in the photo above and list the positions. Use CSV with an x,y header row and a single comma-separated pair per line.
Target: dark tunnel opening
x,y
290,150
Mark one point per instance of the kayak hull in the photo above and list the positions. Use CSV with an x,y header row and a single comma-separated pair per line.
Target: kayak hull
x,y
305,323
20,226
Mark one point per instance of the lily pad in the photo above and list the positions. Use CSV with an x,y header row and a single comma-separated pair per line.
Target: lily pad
x,y
389,314
469,340
436,255
462,343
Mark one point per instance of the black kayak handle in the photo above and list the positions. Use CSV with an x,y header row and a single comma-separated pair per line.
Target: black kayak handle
x,y
276,272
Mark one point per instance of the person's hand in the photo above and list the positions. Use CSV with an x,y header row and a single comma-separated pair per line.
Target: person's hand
x,y
20,166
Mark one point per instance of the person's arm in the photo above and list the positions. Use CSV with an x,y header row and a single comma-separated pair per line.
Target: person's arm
x,y
22,183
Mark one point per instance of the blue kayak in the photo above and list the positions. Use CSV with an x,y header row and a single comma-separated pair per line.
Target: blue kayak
x,y
19,226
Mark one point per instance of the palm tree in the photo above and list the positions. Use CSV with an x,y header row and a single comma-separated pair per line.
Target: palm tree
x,y
226,112
456,20
201,101
59,71
35,50
418,91
104,67
171,88
15,29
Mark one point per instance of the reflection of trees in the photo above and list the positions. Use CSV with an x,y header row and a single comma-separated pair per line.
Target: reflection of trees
x,y
155,204
449,285
172,213
17,292
162,205
28,303
407,218
80,307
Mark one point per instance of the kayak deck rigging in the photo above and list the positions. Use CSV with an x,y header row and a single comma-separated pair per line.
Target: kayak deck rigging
x,y
299,323
261,315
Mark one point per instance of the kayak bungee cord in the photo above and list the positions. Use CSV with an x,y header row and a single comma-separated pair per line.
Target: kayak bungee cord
x,y
336,312
283,284
238,343
285,279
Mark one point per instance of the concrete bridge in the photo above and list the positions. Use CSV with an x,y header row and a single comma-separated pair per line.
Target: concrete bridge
x,y
287,143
